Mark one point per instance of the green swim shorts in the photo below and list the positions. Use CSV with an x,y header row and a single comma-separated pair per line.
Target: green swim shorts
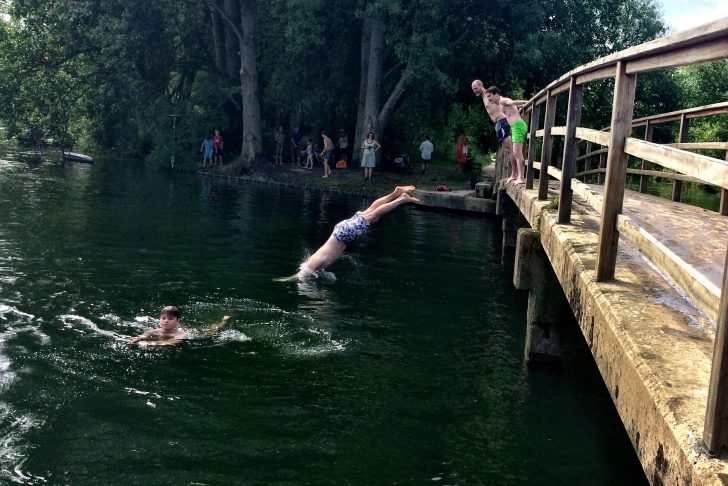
x,y
518,131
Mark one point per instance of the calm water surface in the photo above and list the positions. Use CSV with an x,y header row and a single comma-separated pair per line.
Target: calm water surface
x,y
405,370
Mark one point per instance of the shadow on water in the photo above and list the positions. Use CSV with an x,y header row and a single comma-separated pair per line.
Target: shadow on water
x,y
407,368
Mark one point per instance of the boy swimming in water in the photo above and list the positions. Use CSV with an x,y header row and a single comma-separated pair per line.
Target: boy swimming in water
x,y
169,332
350,229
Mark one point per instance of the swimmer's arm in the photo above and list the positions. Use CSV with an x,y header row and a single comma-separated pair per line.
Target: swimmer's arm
x,y
141,337
216,327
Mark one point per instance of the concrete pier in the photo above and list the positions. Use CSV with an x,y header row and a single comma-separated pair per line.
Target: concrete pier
x,y
652,345
546,302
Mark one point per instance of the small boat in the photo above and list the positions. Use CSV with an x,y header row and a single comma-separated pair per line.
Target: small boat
x,y
75,157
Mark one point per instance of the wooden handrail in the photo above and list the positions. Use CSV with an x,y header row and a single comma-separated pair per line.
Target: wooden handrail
x,y
650,173
699,145
703,43
697,112
706,169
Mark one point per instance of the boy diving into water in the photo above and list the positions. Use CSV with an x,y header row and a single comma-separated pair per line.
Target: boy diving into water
x,y
350,229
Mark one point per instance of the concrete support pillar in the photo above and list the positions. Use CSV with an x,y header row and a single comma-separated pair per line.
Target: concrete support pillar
x,y
507,209
546,302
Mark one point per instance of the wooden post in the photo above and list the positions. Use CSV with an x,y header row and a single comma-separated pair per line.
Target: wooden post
x,y
649,129
621,127
535,114
573,118
602,165
724,196
587,160
684,125
715,430
546,146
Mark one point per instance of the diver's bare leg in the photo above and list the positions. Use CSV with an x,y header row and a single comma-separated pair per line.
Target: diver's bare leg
x,y
372,215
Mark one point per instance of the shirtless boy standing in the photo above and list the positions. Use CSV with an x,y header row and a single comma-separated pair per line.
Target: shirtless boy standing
x,y
509,126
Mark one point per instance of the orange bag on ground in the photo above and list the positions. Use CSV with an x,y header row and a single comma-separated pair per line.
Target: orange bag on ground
x,y
341,164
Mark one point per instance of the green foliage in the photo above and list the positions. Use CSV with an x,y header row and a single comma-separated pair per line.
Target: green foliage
x,y
108,74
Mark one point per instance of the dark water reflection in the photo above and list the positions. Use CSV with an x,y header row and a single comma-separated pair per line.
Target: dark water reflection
x,y
405,370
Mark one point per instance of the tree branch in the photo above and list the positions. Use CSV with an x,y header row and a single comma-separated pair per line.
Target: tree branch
x,y
226,18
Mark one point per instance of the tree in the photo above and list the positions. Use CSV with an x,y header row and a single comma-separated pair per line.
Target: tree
x,y
252,146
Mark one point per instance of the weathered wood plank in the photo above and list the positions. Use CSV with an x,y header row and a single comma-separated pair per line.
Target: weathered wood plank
x,y
546,147
703,168
682,138
649,129
723,210
603,73
681,56
706,33
596,136
622,107
715,431
698,145
573,118
698,112
648,173
532,142
592,153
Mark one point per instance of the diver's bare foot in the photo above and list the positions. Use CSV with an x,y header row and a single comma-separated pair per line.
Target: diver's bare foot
x,y
404,197
510,179
404,189
519,182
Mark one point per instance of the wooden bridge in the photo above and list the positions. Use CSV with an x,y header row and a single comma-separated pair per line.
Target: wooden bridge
x,y
644,276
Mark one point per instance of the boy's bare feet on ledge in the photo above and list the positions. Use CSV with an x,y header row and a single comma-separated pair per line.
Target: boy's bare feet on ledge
x,y
408,198
404,189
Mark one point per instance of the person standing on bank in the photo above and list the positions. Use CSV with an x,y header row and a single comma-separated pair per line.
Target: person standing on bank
x,y
295,144
343,145
426,149
279,146
327,153
369,157
217,138
461,152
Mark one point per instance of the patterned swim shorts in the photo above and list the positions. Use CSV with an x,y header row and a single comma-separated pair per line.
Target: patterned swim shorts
x,y
350,229
502,129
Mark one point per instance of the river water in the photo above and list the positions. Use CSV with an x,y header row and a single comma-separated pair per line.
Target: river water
x,y
407,369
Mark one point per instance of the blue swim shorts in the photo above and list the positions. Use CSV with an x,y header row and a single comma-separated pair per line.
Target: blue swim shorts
x,y
350,229
502,129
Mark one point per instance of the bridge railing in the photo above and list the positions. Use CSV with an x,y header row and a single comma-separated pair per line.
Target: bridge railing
x,y
705,43
644,172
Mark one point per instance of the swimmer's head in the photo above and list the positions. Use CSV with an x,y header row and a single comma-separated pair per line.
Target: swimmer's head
x,y
169,318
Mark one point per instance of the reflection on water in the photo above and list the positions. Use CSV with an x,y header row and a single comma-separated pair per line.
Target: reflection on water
x,y
406,368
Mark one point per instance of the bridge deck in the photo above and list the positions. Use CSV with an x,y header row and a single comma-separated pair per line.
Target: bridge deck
x,y
652,345
696,235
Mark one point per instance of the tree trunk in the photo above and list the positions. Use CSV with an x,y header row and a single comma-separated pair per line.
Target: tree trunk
x,y
252,132
366,34
372,116
217,39
232,46
375,68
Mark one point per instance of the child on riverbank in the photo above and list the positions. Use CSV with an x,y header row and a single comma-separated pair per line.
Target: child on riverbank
x,y
208,147
169,332
350,229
